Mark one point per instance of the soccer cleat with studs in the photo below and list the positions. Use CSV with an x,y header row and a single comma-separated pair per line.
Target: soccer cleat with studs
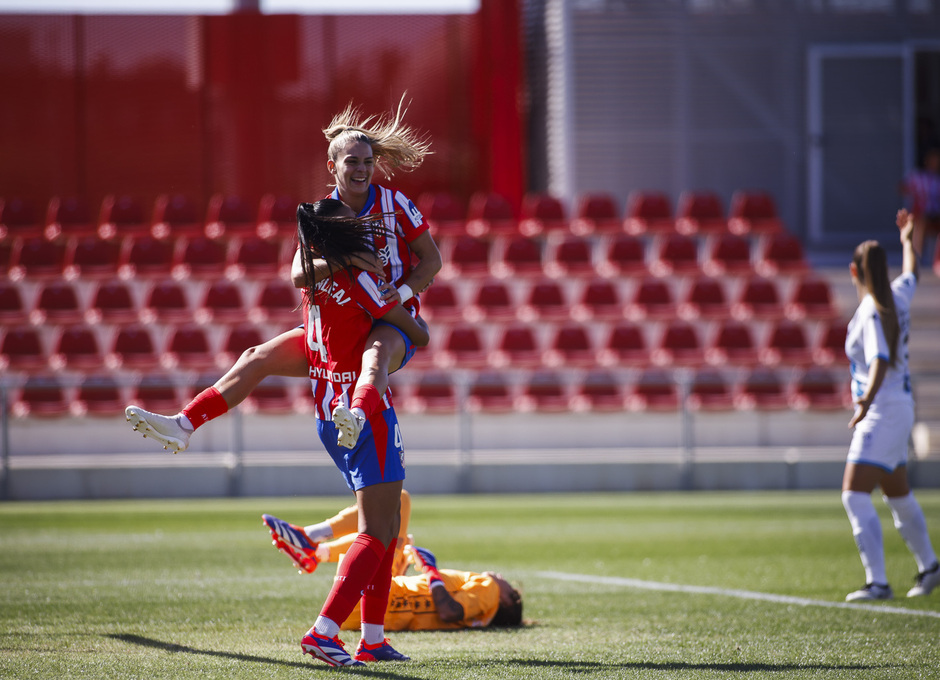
x,y
165,429
348,426
926,582
383,651
871,591
292,541
330,650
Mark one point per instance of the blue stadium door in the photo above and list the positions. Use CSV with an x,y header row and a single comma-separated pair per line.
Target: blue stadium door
x,y
860,133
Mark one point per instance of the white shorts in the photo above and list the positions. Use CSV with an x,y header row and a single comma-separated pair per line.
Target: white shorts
x,y
881,439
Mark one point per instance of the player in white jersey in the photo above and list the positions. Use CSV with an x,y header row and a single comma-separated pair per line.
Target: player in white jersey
x,y
877,347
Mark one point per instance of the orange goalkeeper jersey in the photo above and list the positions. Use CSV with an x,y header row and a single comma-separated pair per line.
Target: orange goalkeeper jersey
x,y
411,607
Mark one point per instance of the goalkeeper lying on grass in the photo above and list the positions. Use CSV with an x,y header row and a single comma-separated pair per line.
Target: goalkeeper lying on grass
x,y
432,599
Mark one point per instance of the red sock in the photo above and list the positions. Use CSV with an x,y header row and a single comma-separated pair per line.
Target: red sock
x,y
375,596
354,574
367,398
205,406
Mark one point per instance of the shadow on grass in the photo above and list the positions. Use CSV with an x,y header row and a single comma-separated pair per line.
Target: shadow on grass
x,y
183,649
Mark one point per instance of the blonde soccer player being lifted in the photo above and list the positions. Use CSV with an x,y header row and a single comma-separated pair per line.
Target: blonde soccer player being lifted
x,y
877,348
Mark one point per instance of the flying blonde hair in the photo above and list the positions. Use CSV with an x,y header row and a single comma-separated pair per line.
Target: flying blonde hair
x,y
395,146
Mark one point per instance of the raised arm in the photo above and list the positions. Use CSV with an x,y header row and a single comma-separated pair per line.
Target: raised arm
x,y
369,263
905,222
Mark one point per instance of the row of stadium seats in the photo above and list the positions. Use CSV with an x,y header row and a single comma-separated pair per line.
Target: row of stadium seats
x,y
546,391
492,300
697,212
188,347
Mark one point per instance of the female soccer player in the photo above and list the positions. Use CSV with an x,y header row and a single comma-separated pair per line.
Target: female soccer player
x,y
339,318
357,147
877,347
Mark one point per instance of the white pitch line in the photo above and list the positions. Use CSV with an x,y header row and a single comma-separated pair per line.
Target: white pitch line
x,y
742,594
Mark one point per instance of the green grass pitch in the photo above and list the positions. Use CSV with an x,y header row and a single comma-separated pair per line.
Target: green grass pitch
x,y
194,589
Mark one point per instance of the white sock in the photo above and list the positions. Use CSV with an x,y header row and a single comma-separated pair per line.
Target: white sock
x,y
373,633
866,527
185,423
326,627
910,523
319,532
322,553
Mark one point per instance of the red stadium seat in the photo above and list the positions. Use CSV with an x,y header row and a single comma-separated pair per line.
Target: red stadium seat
x,y
188,347
145,257
728,254
753,213
705,299
623,255
98,396
91,257
278,302
652,300
518,256
654,390
544,301
710,391
829,347
781,254
675,254
256,258
156,394
439,303
490,392
445,214
176,216
273,396
67,217
541,214
679,345
166,302
121,216
58,303
134,348
648,213
598,391
277,216
76,349
462,347
596,214
517,347
544,391
18,218
758,299
625,345
811,299
570,257
492,301
469,256
818,389
599,301
41,397
13,309
228,216
22,350
199,257
221,303
490,213
36,259
700,213
112,303
434,393
786,345
237,340
571,346
732,345
763,390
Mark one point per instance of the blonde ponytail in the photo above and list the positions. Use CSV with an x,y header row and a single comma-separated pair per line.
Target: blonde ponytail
x,y
871,262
